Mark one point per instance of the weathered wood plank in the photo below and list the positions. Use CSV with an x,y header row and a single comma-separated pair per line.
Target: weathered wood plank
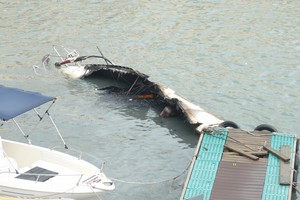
x,y
256,153
276,153
285,171
259,153
243,159
246,154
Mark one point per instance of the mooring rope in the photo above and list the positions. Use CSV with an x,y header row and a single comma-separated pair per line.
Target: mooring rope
x,y
55,194
295,187
154,182
98,197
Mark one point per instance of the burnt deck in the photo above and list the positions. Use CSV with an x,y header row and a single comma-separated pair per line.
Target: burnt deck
x,y
235,164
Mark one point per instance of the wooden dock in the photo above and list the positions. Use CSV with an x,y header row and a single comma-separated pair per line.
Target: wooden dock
x,y
232,164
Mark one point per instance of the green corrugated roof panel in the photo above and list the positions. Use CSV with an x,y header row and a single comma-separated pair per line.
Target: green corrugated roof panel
x,y
206,166
272,188
202,179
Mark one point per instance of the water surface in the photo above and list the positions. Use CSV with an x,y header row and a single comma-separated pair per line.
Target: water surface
x,y
239,60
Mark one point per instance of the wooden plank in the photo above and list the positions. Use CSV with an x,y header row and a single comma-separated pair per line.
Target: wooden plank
x,y
294,150
276,153
259,153
243,159
285,167
246,154
256,153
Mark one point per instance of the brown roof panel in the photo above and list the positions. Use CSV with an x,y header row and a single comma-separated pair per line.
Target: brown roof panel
x,y
236,181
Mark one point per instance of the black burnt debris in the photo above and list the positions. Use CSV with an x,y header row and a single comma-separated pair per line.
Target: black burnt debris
x,y
138,86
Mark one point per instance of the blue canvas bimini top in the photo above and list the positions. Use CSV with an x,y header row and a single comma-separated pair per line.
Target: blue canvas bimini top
x,y
14,102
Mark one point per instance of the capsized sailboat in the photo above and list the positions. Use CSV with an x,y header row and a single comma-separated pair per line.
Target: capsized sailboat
x,y
30,171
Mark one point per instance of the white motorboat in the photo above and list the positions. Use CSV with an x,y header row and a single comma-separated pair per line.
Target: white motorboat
x,y
30,171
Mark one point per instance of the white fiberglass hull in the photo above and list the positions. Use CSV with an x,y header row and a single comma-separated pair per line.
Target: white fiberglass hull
x,y
75,71
28,171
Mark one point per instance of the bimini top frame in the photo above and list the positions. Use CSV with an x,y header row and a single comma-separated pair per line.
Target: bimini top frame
x,y
14,102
